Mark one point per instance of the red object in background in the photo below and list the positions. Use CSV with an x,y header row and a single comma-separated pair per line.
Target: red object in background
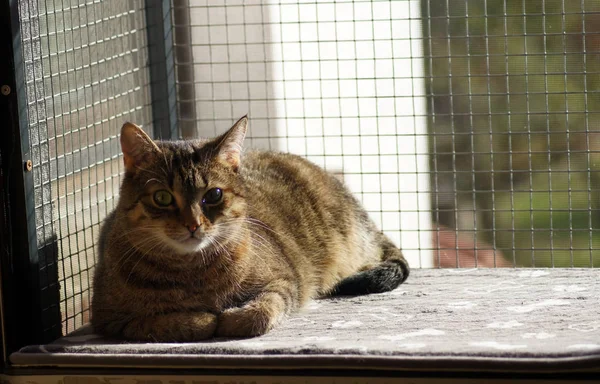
x,y
456,249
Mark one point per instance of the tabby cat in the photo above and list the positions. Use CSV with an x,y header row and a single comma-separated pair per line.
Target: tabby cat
x,y
206,241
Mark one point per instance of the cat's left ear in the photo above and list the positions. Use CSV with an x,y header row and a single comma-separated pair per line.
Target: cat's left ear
x,y
230,144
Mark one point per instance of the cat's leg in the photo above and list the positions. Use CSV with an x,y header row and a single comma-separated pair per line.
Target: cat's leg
x,y
172,327
385,276
262,313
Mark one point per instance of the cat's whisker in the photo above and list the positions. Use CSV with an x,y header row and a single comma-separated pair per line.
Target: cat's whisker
x,y
136,247
220,246
125,256
226,266
262,245
252,235
142,255
216,244
156,180
259,223
132,250
137,244
136,230
168,164
146,170
132,268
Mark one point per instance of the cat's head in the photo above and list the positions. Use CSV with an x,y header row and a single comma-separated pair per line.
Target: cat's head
x,y
182,197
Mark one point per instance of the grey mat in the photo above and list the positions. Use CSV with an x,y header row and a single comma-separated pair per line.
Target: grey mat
x,y
499,319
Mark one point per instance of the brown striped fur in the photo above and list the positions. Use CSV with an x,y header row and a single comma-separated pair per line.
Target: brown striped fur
x,y
285,232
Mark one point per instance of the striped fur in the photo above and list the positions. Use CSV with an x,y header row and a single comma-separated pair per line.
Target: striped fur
x,y
285,232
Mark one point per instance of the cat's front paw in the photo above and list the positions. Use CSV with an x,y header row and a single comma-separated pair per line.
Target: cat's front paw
x,y
172,327
247,321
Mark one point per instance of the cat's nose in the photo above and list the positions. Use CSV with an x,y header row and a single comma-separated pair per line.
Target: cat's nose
x,y
192,228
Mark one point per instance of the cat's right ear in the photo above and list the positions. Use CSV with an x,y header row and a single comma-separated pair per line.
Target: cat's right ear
x,y
137,146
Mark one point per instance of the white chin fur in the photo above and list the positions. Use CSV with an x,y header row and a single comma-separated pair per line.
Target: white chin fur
x,y
188,246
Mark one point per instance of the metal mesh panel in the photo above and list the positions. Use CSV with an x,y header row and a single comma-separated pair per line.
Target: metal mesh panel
x,y
338,82
85,74
467,128
513,92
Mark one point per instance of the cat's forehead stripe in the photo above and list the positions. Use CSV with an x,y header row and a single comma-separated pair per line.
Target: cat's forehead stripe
x,y
199,180
187,173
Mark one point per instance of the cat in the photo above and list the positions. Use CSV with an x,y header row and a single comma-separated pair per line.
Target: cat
x,y
209,241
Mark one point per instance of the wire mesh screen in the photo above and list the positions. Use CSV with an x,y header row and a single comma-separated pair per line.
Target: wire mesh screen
x,y
341,83
467,128
513,101
85,74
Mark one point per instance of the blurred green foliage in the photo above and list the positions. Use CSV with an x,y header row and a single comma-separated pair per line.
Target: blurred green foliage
x,y
514,90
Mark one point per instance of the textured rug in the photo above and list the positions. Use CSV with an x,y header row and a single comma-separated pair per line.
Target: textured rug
x,y
486,319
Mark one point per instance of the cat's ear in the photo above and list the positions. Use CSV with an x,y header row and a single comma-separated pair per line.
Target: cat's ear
x,y
137,146
230,144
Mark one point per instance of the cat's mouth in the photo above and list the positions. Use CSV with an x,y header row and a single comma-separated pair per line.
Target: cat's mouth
x,y
192,240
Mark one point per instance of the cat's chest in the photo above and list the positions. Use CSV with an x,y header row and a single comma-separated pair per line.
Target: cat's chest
x,y
186,295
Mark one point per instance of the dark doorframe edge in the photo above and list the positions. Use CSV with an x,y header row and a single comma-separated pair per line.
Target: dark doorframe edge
x,y
161,60
171,64
24,320
184,64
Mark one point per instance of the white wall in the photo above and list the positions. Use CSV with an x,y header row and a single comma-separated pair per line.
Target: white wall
x,y
340,83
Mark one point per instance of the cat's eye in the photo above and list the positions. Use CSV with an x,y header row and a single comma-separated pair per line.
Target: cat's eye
x,y
163,198
213,196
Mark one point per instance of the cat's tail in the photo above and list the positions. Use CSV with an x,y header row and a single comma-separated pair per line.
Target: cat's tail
x,y
382,277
